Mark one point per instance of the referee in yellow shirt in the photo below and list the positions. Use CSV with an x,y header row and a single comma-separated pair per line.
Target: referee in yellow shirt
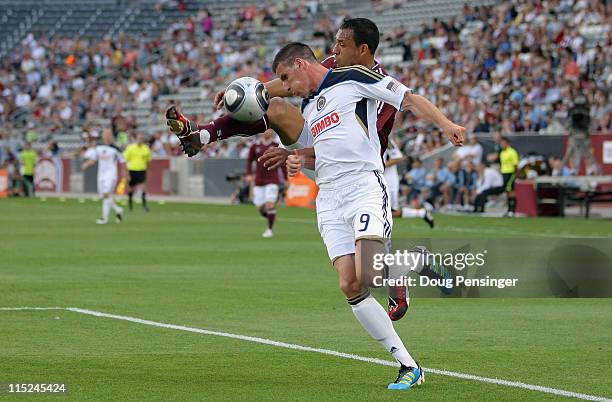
x,y
509,160
138,157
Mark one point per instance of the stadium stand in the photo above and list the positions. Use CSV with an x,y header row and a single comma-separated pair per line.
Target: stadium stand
x,y
71,67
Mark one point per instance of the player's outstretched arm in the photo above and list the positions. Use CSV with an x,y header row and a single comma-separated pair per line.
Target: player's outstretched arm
x,y
386,89
423,108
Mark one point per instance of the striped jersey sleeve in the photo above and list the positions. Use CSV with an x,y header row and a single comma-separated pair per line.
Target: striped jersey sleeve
x,y
370,84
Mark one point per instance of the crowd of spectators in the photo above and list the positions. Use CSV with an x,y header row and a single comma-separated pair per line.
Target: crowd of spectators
x,y
514,67
50,86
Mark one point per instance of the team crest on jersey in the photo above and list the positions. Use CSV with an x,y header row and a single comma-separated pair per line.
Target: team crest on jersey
x,y
321,103
325,123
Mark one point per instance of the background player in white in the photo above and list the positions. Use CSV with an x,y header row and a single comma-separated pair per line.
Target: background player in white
x,y
392,157
107,155
353,209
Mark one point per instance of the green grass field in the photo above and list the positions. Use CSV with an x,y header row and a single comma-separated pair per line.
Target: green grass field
x,y
207,267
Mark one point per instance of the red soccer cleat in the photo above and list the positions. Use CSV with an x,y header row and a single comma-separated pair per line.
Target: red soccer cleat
x,y
186,131
399,301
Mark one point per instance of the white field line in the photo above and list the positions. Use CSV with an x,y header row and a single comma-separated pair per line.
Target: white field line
x,y
515,384
30,308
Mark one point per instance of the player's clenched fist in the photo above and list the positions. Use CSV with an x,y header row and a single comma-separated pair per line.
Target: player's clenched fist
x,y
455,133
294,164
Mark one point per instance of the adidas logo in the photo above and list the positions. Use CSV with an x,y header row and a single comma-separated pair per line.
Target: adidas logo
x,y
393,349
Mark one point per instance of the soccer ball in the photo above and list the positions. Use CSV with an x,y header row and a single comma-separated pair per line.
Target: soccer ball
x,y
246,99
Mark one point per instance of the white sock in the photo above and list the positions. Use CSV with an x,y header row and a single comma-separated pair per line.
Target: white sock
x,y
373,317
413,213
106,206
115,207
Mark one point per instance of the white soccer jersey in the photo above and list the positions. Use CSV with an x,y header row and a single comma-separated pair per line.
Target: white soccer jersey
x,y
107,157
341,116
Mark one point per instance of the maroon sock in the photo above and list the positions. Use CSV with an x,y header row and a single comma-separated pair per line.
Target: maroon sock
x,y
225,127
271,218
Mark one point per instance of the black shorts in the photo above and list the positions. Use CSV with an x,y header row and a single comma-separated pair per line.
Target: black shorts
x,y
137,177
509,179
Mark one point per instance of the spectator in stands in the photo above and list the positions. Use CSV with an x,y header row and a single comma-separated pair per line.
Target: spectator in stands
x,y
470,152
415,178
158,149
459,189
489,182
493,157
207,23
557,167
536,55
440,182
471,183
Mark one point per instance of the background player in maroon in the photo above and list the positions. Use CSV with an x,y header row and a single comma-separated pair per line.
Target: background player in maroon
x,y
265,192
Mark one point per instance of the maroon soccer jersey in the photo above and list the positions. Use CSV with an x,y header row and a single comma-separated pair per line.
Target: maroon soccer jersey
x,y
386,112
263,176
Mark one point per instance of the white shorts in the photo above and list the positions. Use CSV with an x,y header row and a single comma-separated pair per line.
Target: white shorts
x,y
106,185
263,194
353,208
394,198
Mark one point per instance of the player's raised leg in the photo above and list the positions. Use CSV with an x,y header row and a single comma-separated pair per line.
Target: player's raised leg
x,y
286,119
283,117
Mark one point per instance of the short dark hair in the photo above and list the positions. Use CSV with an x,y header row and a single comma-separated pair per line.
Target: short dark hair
x,y
364,31
290,52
